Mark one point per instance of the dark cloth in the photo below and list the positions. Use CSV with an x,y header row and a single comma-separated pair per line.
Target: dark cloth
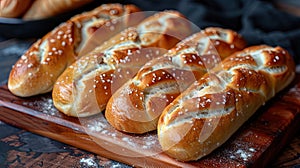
x,y
260,22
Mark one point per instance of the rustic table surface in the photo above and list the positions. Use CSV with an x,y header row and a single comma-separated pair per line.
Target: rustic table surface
x,y
20,148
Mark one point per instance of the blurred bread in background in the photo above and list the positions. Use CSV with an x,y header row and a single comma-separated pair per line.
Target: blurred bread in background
x,y
41,9
289,6
14,8
38,9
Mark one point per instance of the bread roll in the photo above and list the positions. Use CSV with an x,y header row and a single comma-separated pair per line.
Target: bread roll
x,y
161,80
205,115
14,8
86,86
39,67
41,9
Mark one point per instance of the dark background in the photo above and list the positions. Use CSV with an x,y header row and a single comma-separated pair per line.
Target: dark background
x,y
259,21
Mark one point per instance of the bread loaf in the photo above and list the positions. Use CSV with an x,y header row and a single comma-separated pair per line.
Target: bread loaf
x,y
41,9
205,115
37,70
137,105
14,8
86,86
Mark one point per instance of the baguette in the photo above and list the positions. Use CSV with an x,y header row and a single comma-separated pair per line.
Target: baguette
x,y
161,80
205,115
41,9
39,67
86,86
14,8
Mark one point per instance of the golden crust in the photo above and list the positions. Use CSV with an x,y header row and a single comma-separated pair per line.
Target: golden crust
x,y
41,9
162,79
37,70
205,115
95,77
14,8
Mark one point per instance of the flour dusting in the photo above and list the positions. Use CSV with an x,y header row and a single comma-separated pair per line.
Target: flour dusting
x,y
45,105
88,163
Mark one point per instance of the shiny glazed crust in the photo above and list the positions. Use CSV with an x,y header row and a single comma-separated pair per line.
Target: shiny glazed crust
x,y
86,86
205,115
137,105
39,67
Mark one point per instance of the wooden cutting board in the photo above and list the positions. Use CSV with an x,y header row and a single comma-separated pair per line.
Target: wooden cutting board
x,y
255,144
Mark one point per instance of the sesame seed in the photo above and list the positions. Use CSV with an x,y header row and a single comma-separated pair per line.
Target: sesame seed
x,y
30,65
114,21
113,12
60,52
60,32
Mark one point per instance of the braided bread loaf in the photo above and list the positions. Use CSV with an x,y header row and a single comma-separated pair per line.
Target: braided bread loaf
x,y
37,70
136,107
86,86
205,115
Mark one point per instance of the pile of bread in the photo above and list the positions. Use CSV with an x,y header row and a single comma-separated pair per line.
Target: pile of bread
x,y
154,73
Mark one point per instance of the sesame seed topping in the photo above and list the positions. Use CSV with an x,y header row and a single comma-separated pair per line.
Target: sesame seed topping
x,y
30,65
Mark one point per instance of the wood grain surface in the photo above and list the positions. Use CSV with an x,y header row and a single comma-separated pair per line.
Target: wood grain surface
x,y
254,145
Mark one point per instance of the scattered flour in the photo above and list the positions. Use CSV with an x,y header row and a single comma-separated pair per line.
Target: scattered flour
x,y
45,105
88,163
243,154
